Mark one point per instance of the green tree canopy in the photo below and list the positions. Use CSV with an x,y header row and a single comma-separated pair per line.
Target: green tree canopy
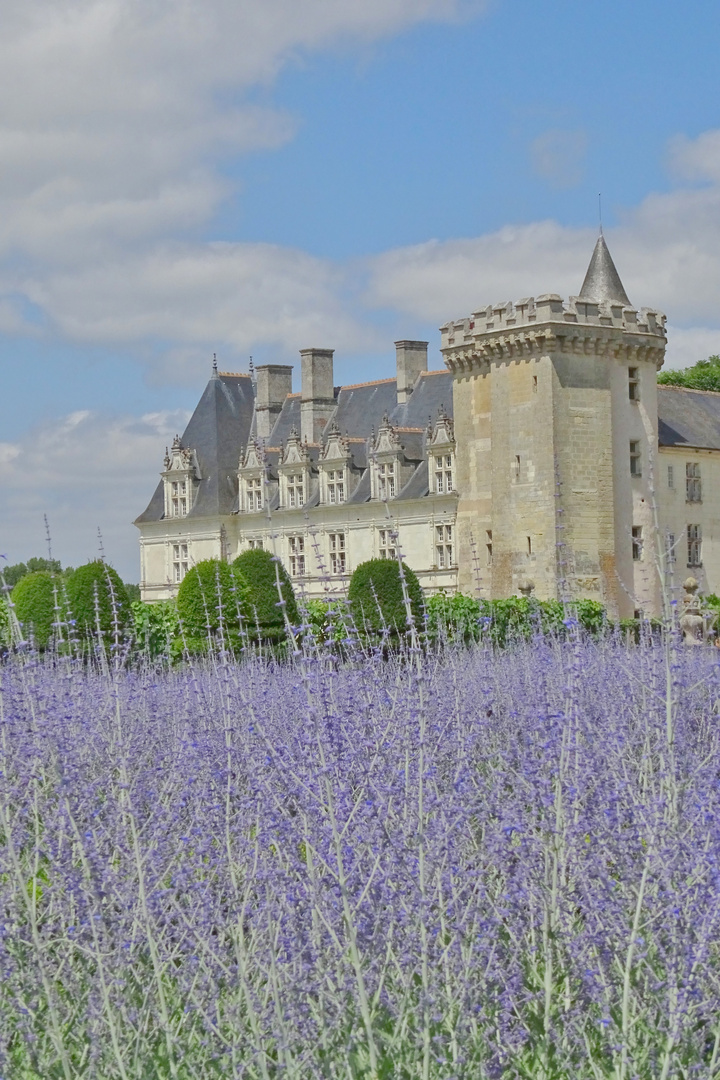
x,y
113,606
261,571
705,375
210,593
35,597
14,573
376,596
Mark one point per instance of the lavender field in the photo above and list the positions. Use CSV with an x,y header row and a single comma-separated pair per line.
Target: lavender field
x,y
459,864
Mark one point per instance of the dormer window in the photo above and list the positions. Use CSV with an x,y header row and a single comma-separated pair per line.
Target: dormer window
x,y
441,455
180,474
336,485
253,494
178,501
386,480
443,473
295,490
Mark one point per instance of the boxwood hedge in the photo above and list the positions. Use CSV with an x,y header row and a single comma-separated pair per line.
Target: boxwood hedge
x,y
212,594
261,572
376,596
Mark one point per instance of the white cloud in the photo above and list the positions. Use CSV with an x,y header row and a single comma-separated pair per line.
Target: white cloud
x,y
558,156
115,113
85,471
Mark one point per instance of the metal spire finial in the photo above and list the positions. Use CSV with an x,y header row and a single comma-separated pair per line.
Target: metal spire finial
x,y
215,369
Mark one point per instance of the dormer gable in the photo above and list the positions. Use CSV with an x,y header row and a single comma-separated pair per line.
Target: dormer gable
x,y
253,457
337,446
441,433
387,440
441,454
180,479
295,451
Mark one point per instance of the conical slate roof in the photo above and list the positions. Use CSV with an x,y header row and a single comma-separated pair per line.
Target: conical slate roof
x,y
602,281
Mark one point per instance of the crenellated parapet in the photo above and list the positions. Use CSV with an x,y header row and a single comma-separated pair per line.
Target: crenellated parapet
x,y
535,326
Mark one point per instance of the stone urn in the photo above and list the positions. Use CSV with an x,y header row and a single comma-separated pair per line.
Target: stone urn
x,y
692,619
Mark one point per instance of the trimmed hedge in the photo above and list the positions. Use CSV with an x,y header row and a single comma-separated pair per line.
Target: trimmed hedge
x,y
465,618
376,596
211,593
97,579
34,600
260,570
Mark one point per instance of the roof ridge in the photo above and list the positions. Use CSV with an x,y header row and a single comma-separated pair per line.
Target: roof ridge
x,y
234,374
372,382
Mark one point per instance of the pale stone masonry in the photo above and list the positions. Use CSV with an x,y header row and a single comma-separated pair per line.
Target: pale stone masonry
x,y
544,454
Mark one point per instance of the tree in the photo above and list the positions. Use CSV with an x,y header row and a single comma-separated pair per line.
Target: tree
x,y
261,572
376,596
96,594
14,573
36,597
212,594
705,375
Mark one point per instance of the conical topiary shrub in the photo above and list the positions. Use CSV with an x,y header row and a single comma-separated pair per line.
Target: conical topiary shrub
x,y
265,614
35,597
376,596
97,599
212,594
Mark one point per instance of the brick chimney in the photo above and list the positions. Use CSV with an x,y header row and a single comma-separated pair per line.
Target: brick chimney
x,y
411,357
317,397
274,383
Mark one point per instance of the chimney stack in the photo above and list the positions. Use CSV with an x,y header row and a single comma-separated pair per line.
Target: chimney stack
x,y
412,360
317,397
274,383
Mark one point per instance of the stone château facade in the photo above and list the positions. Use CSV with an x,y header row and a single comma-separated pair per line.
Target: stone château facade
x,y
544,452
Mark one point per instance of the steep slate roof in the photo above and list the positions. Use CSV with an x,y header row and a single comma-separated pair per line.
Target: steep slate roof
x,y
688,417
217,431
432,390
602,281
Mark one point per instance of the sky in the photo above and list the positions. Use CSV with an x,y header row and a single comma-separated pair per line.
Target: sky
x,y
252,177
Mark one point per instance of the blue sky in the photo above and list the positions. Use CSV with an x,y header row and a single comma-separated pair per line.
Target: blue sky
x,y
188,177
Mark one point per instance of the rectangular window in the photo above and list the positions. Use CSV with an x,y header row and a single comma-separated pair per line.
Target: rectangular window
x,y
633,384
296,548
255,545
443,546
386,543
671,476
671,547
534,384
386,480
635,460
694,544
693,484
516,466
637,543
253,490
296,490
180,562
336,485
443,473
337,553
488,546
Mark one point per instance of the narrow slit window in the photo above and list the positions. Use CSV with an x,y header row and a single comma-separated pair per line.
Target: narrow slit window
x,y
671,476
637,543
694,545
633,384
635,458
488,546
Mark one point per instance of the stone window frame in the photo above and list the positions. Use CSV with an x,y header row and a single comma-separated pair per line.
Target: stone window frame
x,y
337,551
180,560
444,545
637,543
297,555
635,458
694,545
693,482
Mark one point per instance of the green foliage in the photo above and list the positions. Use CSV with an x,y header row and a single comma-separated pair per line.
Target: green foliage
x,y
460,618
705,375
326,620
376,596
155,625
35,597
13,574
261,571
133,592
212,593
5,623
97,579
